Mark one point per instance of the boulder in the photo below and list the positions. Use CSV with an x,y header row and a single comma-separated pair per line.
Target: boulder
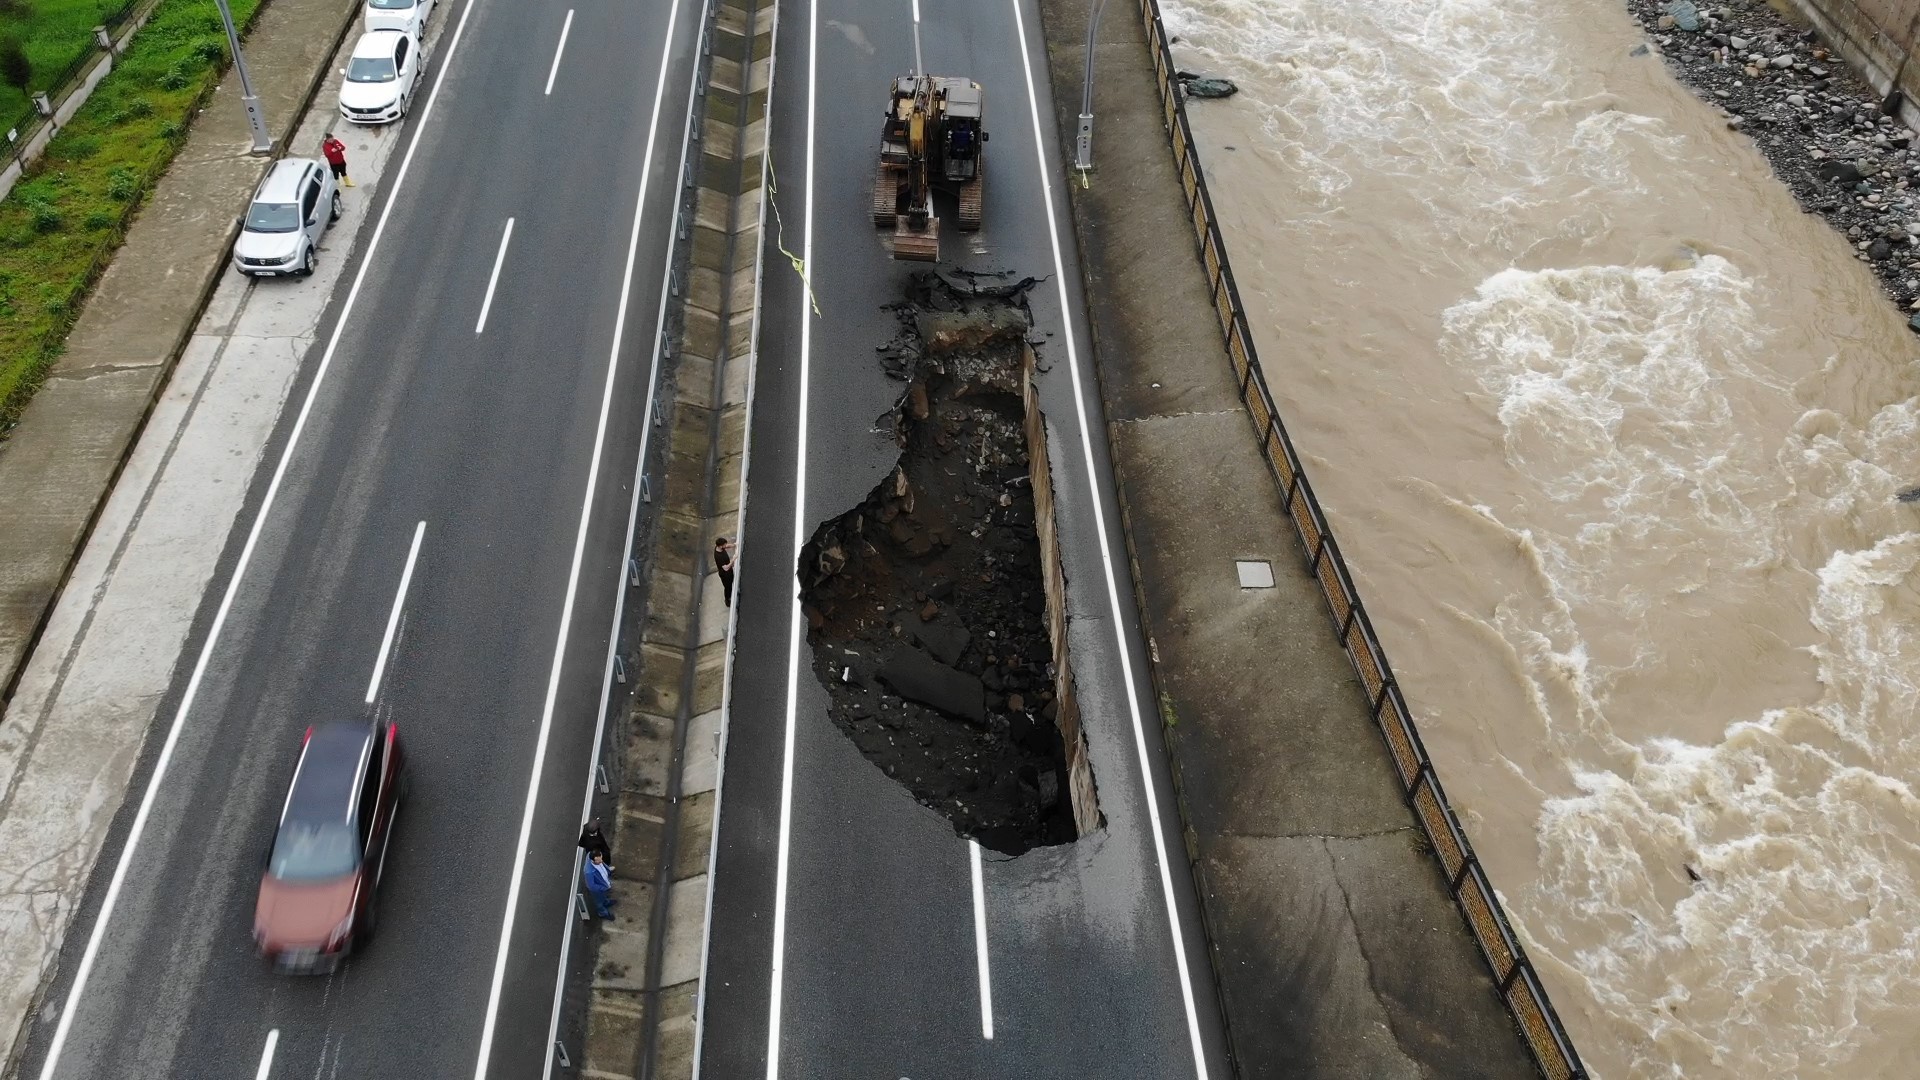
x,y
918,677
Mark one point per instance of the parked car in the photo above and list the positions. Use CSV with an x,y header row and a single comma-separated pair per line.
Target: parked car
x,y
381,75
318,890
289,214
407,16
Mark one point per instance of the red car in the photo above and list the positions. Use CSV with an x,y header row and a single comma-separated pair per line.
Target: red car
x,y
317,893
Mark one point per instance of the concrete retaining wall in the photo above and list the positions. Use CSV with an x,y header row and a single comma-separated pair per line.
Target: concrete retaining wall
x,y
1086,805
1876,38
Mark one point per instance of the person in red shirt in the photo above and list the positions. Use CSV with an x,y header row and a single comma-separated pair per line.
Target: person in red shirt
x,y
336,152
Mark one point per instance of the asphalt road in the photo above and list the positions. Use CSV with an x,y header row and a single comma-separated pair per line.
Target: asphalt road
x,y
877,973
490,439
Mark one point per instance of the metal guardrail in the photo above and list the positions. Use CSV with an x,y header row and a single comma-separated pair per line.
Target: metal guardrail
x,y
1514,977
29,122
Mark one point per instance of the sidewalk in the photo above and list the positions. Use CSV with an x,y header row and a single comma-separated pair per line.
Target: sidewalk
x,y
56,469
89,690
1335,946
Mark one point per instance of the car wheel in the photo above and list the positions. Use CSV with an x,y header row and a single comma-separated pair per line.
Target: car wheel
x,y
334,214
306,264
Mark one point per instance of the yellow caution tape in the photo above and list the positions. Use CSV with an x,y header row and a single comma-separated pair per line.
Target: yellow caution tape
x,y
780,235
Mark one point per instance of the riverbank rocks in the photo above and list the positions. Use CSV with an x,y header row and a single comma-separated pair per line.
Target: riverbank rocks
x,y
1825,132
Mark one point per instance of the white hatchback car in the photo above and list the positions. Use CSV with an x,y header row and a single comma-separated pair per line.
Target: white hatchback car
x,y
381,76
289,214
406,16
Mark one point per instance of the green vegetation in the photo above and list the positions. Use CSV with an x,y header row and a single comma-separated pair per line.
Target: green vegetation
x,y
62,221
39,41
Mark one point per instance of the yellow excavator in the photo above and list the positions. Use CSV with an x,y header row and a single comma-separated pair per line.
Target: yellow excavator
x,y
933,136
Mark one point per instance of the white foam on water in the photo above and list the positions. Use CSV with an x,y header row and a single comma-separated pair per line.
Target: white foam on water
x,y
1611,388
1460,97
1799,951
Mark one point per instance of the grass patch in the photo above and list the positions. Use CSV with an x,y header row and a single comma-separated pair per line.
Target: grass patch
x,y
62,221
54,34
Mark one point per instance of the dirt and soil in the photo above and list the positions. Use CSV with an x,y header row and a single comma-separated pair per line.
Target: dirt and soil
x,y
925,603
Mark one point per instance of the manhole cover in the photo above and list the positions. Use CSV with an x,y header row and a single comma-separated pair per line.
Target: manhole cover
x,y
1255,573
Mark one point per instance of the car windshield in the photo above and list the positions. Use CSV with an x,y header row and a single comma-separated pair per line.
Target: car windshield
x,y
273,217
371,69
308,852
390,5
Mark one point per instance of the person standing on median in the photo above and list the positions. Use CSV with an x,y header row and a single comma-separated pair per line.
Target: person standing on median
x,y
593,840
336,153
723,565
600,884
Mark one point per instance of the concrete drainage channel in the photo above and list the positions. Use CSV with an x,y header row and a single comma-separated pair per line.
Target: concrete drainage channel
x,y
636,1016
930,605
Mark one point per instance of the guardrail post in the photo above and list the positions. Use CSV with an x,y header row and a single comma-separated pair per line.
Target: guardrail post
x,y
1083,141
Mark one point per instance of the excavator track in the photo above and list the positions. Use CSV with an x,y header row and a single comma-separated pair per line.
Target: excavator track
x,y
886,195
970,204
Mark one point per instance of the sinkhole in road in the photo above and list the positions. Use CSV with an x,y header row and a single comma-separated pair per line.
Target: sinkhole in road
x,y
935,608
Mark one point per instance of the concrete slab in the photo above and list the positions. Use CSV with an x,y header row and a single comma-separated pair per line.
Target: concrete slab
x,y
686,923
699,765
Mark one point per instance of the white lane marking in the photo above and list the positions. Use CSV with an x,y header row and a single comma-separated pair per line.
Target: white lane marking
x,y
522,847
393,617
1106,564
918,67
561,50
91,954
568,918
493,280
795,624
980,941
266,1056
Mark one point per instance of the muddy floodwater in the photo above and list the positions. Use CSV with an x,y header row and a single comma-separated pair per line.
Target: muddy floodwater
x,y
1613,436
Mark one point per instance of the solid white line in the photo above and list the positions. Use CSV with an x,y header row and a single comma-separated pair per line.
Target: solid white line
x,y
567,917
266,1056
795,626
393,618
564,27
980,941
91,954
1106,564
499,258
522,847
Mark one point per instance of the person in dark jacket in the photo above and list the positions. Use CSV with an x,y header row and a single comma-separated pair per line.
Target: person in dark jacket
x,y
723,565
592,840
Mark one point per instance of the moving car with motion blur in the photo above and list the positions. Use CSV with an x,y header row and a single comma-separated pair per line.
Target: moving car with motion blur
x,y
318,892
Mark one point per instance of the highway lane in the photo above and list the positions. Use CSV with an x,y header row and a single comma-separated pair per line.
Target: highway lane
x,y
489,438
878,964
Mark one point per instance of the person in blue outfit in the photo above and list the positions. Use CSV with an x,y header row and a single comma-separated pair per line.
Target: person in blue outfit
x,y
599,884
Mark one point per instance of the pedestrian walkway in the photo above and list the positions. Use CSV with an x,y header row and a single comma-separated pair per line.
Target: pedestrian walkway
x,y
56,469
1336,948
169,327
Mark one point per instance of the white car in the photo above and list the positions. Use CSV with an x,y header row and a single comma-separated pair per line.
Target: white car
x,y
289,214
382,74
406,16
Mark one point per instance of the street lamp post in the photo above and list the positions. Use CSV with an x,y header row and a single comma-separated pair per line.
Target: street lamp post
x,y
256,120
1083,142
